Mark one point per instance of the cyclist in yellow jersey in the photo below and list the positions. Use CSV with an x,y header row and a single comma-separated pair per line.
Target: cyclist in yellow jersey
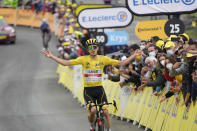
x,y
93,65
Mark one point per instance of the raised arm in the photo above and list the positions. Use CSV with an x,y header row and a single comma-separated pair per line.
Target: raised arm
x,y
131,58
58,60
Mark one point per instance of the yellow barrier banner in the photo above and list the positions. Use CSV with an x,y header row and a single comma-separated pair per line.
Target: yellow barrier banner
x,y
170,121
154,112
147,108
8,14
186,119
24,17
164,111
125,92
129,107
141,105
37,19
50,20
192,126
117,99
167,114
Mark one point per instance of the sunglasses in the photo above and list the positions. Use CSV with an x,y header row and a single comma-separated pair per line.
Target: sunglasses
x,y
92,47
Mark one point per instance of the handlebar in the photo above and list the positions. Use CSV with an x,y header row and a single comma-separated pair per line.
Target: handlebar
x,y
102,104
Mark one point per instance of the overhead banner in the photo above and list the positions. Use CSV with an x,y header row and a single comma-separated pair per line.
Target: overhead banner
x,y
82,7
117,38
147,29
153,7
105,17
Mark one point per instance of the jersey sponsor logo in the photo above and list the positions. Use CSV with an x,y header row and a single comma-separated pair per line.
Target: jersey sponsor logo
x,y
87,65
99,65
93,75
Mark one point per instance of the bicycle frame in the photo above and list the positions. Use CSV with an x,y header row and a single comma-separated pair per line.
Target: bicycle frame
x,y
100,122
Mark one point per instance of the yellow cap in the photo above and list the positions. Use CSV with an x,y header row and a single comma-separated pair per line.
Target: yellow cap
x,y
68,10
62,9
1,17
59,1
70,30
159,43
179,78
171,36
189,55
71,20
69,3
66,43
66,15
74,5
169,44
77,25
186,35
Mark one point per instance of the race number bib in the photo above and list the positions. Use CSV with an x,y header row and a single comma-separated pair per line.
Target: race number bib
x,y
93,75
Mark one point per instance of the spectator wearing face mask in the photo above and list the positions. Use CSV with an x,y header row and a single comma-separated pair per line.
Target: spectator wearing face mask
x,y
142,45
169,47
186,70
172,84
156,76
152,51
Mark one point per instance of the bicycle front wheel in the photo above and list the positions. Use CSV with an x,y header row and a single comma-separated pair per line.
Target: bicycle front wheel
x,y
101,124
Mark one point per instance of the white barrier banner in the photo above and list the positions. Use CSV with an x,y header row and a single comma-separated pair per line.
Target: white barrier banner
x,y
77,78
148,7
105,17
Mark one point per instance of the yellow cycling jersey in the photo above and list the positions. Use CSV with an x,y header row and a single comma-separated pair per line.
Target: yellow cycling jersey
x,y
93,68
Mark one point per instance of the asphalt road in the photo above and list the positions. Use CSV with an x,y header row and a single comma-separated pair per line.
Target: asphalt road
x,y
30,97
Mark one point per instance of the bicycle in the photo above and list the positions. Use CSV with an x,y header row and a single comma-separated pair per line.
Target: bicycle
x,y
99,120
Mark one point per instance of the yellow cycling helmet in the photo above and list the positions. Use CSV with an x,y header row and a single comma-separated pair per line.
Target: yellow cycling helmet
x,y
91,41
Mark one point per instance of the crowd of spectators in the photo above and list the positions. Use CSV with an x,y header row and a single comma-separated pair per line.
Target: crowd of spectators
x,y
168,66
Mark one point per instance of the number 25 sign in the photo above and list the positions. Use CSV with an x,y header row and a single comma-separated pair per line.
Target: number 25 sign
x,y
174,27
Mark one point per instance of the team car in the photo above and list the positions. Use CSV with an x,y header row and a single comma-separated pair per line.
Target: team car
x,y
7,32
